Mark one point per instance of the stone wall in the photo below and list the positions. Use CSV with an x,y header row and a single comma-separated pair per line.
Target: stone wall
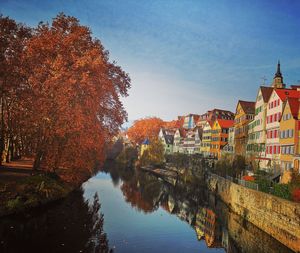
x,y
277,217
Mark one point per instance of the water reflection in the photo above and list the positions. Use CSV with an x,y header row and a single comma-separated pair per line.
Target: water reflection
x,y
202,210
142,213
73,225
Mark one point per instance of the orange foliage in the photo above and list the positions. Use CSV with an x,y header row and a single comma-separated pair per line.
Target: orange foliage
x,y
149,128
145,128
70,96
174,124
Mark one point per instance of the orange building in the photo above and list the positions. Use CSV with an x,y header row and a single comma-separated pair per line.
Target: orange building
x,y
244,114
219,136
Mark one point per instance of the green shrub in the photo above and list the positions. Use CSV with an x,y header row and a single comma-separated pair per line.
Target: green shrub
x,y
14,204
264,185
282,191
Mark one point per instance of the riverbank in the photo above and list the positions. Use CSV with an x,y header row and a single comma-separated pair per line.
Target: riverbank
x,y
277,217
21,188
30,192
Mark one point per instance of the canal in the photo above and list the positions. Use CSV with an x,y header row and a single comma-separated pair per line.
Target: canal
x,y
129,211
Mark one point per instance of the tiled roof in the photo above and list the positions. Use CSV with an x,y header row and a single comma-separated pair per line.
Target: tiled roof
x,y
284,93
294,105
248,106
225,123
182,132
169,139
210,122
266,92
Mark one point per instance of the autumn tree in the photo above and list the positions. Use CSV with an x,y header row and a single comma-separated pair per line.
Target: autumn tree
x,y
74,105
13,38
145,128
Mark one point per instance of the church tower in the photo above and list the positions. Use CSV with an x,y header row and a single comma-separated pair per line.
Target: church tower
x,y
278,79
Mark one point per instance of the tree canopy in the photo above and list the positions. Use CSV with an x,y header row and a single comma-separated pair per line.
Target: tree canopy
x,y
69,93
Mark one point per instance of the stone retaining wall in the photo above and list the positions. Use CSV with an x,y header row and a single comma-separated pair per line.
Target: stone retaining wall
x,y
277,217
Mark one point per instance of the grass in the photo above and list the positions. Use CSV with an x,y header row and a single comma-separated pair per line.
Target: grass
x,y
32,191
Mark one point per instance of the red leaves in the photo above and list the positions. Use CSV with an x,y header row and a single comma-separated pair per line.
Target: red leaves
x,y
296,194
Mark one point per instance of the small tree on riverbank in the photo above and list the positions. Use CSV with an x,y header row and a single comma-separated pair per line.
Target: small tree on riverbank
x,y
154,155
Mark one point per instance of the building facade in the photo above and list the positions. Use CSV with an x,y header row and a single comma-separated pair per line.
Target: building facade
x,y
206,139
244,114
288,137
219,136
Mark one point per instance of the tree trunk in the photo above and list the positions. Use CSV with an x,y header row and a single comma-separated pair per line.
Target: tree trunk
x,y
37,160
2,129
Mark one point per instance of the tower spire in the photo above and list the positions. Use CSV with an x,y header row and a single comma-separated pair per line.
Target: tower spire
x,y
278,79
278,72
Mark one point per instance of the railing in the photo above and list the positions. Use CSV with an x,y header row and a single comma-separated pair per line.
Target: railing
x,y
248,184
242,182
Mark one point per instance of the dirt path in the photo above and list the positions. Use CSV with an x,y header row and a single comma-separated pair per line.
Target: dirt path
x,y
16,170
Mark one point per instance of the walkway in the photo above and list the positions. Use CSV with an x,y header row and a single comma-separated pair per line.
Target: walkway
x,y
16,170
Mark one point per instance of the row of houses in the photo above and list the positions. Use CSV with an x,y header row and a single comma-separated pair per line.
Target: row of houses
x,y
266,131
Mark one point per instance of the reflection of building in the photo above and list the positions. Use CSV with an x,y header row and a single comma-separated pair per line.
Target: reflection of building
x,y
200,223
206,228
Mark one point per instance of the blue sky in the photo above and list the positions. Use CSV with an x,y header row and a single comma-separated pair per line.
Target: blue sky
x,y
185,56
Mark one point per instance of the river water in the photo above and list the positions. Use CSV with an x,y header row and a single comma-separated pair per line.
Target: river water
x,y
127,211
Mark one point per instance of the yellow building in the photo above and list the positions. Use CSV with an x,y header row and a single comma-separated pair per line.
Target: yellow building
x,y
289,138
144,146
206,139
244,114
219,136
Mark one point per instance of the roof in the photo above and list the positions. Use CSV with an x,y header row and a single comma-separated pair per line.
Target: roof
x,y
295,87
294,106
284,93
146,142
224,123
210,122
169,139
248,106
168,131
266,92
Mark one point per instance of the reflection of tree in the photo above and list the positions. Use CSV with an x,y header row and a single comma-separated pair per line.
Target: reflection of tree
x,y
143,192
192,202
73,225
134,197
